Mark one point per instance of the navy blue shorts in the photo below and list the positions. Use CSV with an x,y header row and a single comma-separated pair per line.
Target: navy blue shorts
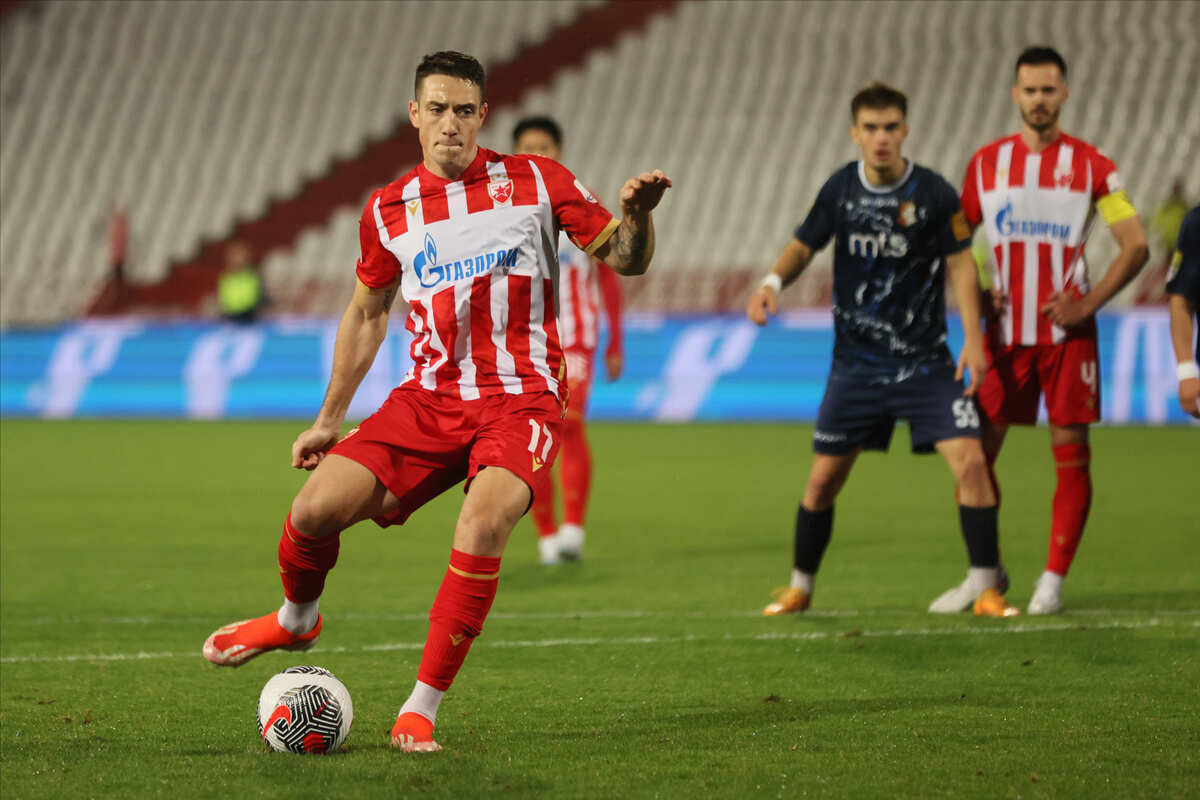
x,y
855,413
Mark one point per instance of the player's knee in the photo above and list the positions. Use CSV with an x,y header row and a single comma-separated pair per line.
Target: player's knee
x,y
315,514
483,530
971,473
821,491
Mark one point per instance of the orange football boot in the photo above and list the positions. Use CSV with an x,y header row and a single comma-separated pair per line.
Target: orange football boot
x,y
788,600
238,642
412,733
991,603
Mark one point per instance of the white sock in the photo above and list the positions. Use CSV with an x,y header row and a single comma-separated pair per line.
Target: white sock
x,y
424,700
1050,582
982,578
803,581
298,618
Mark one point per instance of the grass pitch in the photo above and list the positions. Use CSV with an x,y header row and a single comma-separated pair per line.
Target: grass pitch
x,y
644,671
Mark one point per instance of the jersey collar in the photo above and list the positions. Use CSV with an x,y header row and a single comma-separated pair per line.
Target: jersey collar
x,y
478,165
891,187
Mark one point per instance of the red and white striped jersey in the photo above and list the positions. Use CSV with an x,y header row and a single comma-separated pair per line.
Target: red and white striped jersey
x,y
582,280
478,265
1036,209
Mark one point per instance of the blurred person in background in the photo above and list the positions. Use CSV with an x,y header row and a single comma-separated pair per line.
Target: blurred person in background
x,y
1183,299
1035,193
1167,221
467,237
582,281
240,292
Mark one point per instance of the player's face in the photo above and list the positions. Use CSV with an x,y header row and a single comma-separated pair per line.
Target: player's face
x,y
879,132
447,114
538,143
1040,92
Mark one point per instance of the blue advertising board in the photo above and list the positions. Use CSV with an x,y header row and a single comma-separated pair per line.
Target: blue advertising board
x,y
678,368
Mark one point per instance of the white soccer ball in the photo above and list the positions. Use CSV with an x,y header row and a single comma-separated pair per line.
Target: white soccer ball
x,y
305,710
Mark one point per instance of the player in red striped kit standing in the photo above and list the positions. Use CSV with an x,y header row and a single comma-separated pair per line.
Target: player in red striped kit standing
x,y
1035,193
582,282
467,238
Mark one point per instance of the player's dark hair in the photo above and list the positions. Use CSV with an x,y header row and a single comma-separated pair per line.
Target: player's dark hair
x,y
545,124
1035,56
454,64
878,96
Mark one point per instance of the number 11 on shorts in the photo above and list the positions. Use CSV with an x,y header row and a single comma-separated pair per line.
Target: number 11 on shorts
x,y
539,433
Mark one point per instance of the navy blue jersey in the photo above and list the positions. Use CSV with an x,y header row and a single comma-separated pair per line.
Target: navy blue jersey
x,y
888,278
1184,278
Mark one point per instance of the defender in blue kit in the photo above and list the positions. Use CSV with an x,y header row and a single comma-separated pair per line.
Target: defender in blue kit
x,y
894,225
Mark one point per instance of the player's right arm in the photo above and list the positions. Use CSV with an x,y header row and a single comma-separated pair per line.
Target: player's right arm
x,y
361,331
813,234
763,302
1183,290
1182,332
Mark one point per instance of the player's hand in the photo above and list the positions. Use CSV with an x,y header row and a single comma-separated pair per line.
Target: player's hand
x,y
1189,396
311,447
614,363
972,358
640,195
762,304
1064,309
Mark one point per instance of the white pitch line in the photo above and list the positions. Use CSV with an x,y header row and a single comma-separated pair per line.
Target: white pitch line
x,y
999,629
601,614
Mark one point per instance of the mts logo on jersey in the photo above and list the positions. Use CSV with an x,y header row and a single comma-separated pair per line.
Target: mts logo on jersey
x,y
1009,225
873,245
430,273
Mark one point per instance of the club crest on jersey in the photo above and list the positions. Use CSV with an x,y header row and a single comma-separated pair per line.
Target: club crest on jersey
x,y
591,198
1063,176
906,215
500,190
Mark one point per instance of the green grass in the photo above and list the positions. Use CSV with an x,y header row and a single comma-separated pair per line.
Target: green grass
x,y
644,671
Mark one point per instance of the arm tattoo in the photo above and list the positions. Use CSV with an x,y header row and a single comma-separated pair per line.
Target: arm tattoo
x,y
630,244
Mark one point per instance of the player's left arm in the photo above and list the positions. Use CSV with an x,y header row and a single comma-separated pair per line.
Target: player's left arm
x,y
629,248
964,277
1064,308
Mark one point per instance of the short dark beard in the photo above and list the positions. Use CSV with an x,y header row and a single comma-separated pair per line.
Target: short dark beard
x,y
1051,121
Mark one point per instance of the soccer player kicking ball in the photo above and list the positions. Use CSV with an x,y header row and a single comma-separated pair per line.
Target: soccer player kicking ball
x,y
467,237
893,223
582,281
1034,193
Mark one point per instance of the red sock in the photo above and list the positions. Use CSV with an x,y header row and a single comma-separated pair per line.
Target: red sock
x,y
304,561
543,504
575,460
1072,499
457,616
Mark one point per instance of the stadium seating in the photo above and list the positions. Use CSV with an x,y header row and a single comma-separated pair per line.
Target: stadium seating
x,y
196,115
193,115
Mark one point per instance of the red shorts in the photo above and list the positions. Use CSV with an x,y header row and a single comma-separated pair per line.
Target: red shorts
x,y
580,363
419,443
1068,373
